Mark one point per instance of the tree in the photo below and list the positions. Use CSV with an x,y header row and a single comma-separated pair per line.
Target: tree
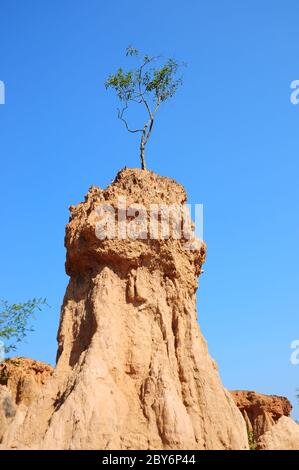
x,y
146,85
15,320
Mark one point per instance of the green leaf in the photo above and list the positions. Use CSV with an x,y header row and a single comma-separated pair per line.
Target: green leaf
x,y
15,320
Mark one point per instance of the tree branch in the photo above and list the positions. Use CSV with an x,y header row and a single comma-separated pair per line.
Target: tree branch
x,y
152,119
141,92
121,117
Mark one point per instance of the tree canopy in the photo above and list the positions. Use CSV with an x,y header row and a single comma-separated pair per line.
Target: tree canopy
x,y
147,85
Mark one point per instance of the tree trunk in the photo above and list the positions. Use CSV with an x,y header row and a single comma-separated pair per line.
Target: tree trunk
x,y
142,145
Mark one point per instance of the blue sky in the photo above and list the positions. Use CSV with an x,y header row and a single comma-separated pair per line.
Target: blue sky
x,y
230,136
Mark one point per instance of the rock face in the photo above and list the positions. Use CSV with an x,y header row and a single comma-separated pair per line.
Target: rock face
x,y
284,435
24,377
133,369
261,411
20,381
267,418
7,409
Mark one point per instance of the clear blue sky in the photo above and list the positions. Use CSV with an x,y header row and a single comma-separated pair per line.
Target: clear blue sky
x,y
230,136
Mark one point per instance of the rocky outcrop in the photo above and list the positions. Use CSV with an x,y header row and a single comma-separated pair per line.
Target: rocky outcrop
x,y
267,418
261,411
20,381
7,409
133,369
23,377
284,435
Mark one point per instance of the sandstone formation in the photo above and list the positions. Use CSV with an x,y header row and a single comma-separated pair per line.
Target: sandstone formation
x,y
20,382
261,411
284,435
133,369
268,420
7,409
24,377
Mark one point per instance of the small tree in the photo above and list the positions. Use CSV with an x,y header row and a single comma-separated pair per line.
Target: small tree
x,y
15,320
146,85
